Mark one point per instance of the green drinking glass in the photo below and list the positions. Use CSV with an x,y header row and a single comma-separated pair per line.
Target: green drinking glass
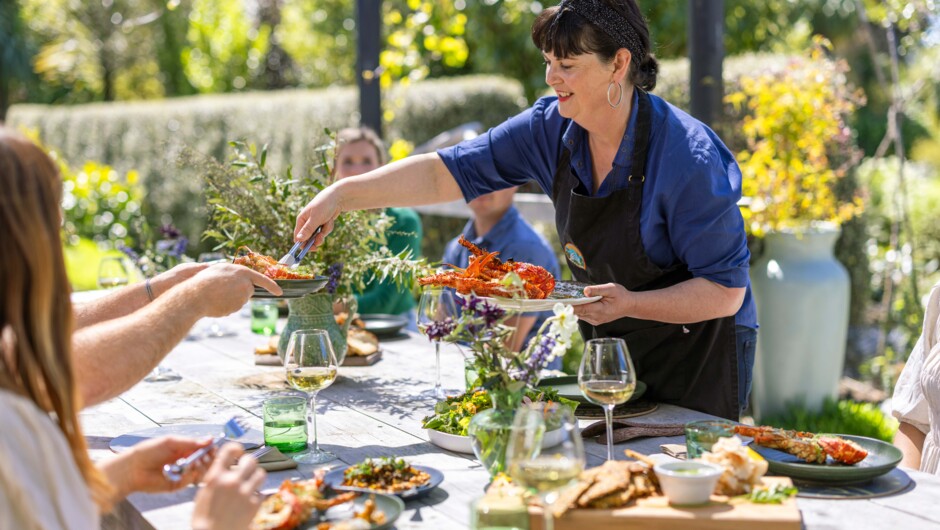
x,y
285,423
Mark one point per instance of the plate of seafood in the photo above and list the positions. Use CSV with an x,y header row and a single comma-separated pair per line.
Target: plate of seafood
x,y
830,458
565,292
485,275
294,282
302,504
391,476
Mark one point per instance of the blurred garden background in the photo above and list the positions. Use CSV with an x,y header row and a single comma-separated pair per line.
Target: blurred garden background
x,y
832,105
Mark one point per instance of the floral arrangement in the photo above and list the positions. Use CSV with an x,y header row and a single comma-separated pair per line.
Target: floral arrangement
x,y
254,206
153,257
799,145
481,327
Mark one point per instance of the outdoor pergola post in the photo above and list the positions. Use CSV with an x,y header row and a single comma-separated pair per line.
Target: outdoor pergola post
x,y
706,53
368,46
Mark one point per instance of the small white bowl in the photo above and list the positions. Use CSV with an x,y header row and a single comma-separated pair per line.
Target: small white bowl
x,y
687,483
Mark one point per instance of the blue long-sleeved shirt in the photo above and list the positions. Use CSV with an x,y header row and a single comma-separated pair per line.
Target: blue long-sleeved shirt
x,y
689,212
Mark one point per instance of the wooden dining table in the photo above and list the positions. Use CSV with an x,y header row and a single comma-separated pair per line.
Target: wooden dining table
x,y
377,411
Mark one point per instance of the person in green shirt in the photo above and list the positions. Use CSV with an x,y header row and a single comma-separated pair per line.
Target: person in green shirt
x,y
360,150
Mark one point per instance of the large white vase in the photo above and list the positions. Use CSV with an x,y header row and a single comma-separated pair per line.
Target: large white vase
x,y
802,296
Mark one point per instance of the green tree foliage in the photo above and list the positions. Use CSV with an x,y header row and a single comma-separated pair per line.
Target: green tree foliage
x,y
97,50
15,54
224,51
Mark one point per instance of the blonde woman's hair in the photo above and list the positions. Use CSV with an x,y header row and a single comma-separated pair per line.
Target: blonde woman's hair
x,y
36,320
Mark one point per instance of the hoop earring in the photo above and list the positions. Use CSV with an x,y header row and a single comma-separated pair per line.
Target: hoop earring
x,y
619,98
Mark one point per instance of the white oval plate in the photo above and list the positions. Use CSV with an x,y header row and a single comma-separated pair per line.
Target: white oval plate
x,y
526,305
461,444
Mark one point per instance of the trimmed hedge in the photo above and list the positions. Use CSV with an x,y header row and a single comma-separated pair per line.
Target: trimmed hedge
x,y
146,135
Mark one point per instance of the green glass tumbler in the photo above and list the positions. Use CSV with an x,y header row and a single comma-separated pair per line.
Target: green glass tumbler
x,y
285,423
700,436
263,317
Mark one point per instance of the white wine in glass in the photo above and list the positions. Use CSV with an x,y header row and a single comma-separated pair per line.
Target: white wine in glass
x,y
607,378
311,379
311,366
436,305
545,469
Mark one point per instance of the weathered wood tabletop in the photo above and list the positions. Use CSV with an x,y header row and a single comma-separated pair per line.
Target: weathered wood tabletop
x,y
376,411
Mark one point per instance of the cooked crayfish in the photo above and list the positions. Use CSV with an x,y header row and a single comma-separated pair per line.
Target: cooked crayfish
x,y
805,445
267,265
294,502
484,273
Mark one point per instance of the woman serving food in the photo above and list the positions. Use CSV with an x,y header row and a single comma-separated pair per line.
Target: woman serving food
x,y
645,204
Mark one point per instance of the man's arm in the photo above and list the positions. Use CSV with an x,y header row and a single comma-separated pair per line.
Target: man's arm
x,y
112,356
126,300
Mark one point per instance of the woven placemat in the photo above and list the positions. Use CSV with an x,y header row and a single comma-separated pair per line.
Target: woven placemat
x,y
627,430
627,410
890,483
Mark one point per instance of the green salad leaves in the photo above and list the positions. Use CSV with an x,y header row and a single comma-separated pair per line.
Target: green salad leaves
x,y
453,415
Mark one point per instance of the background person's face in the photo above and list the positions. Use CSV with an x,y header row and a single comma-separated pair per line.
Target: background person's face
x,y
356,158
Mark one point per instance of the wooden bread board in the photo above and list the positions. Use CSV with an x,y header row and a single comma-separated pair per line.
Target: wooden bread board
x,y
362,360
655,513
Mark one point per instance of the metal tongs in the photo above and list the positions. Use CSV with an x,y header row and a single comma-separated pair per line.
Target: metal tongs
x,y
293,257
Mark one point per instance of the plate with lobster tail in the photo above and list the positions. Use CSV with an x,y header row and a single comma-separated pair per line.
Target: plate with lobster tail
x,y
829,458
567,293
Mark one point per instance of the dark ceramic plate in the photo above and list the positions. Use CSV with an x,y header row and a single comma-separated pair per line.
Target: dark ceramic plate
x,y
334,479
567,387
251,440
882,458
294,288
384,325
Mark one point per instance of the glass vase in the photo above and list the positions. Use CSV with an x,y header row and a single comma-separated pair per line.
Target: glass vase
x,y
316,311
490,429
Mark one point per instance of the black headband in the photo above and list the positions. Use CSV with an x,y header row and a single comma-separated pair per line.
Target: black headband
x,y
608,20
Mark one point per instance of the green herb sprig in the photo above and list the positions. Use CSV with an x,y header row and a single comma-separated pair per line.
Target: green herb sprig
x,y
775,494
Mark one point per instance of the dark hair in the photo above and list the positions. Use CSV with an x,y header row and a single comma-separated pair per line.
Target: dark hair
x,y
572,34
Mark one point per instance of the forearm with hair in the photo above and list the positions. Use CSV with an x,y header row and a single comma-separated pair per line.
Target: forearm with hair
x,y
112,356
695,300
413,181
114,305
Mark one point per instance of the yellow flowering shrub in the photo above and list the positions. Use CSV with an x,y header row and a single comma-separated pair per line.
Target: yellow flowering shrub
x,y
798,144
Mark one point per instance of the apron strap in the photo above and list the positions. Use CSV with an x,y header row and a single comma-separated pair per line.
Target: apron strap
x,y
641,137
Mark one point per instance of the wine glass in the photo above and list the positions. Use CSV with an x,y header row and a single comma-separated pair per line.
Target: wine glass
x,y
436,305
112,272
545,451
607,378
311,366
214,327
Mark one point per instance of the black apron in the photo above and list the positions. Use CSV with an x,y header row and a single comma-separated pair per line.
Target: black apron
x,y
691,365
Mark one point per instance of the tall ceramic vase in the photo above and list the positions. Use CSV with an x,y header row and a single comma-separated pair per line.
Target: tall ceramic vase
x,y
802,297
489,430
315,311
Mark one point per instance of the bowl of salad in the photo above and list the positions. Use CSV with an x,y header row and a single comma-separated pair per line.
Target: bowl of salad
x,y
447,427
